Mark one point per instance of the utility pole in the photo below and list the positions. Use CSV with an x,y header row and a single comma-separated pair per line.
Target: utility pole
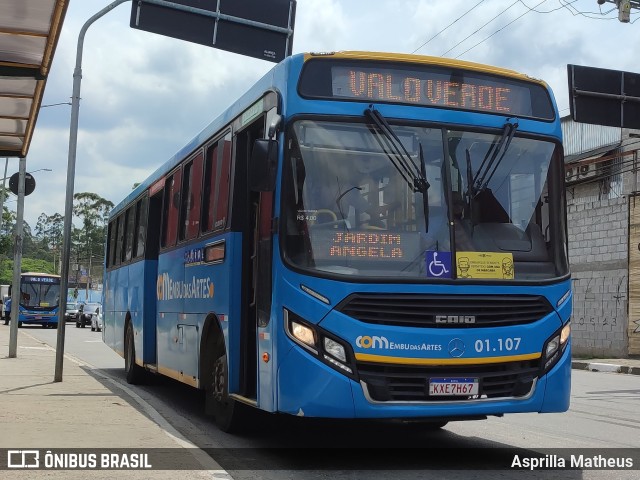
x,y
3,193
624,8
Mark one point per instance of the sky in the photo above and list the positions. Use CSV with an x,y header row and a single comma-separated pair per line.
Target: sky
x,y
144,96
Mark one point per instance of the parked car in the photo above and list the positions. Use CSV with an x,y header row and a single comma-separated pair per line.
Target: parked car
x,y
71,312
96,320
85,313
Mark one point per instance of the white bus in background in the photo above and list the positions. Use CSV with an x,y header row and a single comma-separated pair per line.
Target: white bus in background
x,y
4,294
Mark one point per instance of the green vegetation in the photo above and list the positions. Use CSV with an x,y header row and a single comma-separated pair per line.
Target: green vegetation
x,y
42,247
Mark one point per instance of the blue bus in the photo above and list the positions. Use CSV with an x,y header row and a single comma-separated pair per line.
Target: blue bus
x,y
361,235
39,300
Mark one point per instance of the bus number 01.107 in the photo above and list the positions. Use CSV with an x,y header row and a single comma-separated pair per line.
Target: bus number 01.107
x,y
499,345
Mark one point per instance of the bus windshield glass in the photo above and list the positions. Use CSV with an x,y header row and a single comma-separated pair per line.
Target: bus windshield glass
x,y
40,292
351,205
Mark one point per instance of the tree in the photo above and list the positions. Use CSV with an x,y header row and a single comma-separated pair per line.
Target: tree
x,y
93,211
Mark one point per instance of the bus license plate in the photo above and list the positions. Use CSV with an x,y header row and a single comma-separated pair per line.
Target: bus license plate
x,y
452,387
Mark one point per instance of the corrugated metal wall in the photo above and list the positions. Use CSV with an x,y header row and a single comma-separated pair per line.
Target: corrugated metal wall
x,y
582,137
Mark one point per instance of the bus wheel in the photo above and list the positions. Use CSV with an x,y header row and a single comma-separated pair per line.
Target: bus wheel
x,y
19,324
135,373
228,414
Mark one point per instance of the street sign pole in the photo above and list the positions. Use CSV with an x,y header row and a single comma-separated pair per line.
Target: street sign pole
x,y
17,262
71,173
3,193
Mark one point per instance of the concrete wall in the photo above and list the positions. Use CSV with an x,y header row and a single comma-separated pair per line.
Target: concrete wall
x,y
598,254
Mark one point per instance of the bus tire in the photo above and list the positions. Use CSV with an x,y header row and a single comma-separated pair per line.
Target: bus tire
x,y
19,324
228,414
134,373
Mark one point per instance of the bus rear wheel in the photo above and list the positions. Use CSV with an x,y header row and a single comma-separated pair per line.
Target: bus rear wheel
x,y
230,415
134,372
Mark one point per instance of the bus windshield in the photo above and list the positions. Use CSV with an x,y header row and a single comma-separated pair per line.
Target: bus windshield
x,y
40,293
351,205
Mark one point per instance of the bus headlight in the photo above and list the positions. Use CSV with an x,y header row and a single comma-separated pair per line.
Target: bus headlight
x,y
565,333
335,349
325,346
304,334
300,332
554,348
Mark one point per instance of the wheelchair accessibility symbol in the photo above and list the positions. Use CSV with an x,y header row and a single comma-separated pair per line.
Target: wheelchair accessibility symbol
x,y
438,264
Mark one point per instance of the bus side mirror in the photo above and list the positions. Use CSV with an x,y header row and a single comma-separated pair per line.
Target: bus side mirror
x,y
263,165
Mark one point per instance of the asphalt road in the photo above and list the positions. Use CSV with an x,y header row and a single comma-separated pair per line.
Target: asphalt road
x,y
604,414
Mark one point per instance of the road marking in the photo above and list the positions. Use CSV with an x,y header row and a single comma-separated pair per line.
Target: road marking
x,y
93,341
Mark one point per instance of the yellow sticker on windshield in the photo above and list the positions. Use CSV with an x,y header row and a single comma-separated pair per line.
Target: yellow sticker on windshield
x,y
484,265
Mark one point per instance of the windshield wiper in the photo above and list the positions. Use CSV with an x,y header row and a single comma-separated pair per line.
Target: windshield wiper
x,y
416,177
492,159
399,156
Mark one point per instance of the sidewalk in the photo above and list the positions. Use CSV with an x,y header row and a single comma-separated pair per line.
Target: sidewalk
x,y
85,410
629,366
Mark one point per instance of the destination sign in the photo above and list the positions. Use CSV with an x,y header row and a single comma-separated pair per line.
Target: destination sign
x,y
53,280
363,245
426,86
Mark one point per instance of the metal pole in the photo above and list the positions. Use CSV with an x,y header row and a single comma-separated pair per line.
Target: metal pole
x,y
2,195
17,263
71,173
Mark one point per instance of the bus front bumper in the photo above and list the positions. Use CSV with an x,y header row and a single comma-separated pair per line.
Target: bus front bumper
x,y
307,387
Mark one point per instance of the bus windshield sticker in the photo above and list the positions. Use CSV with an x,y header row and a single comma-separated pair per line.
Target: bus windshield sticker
x,y
438,264
484,265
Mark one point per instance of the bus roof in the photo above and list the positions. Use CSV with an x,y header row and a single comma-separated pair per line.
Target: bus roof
x,y
275,79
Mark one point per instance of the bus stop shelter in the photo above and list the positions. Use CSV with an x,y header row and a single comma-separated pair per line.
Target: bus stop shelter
x,y
29,32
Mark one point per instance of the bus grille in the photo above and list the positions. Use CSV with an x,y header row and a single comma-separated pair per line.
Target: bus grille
x,y
400,383
421,310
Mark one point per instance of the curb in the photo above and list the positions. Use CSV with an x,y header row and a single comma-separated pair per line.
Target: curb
x,y
605,367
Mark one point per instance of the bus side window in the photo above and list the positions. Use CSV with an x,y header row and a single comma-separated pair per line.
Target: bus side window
x,y
129,234
170,209
141,225
120,240
210,187
190,206
215,196
222,203
111,247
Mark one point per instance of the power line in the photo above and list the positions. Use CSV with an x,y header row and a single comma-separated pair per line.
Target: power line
x,y
472,34
546,11
445,28
500,29
574,11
